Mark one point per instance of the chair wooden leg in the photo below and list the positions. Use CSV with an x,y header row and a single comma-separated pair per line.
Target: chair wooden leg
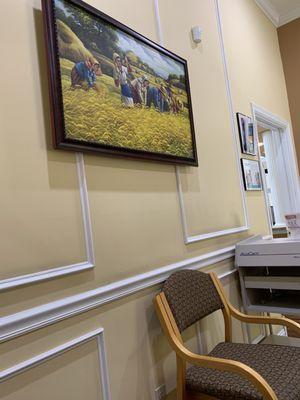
x,y
181,392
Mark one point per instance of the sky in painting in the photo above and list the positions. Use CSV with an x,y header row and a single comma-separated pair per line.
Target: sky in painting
x,y
162,65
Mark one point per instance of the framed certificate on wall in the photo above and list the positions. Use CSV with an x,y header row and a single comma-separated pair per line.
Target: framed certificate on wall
x,y
246,131
251,174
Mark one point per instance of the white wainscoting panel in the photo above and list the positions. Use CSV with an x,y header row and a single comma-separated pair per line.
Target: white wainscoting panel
x,y
98,334
37,317
26,279
196,238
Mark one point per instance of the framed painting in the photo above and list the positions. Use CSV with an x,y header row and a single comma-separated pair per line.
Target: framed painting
x,y
251,174
113,91
246,131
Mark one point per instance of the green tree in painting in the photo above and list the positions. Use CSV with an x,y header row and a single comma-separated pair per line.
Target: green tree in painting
x,y
96,36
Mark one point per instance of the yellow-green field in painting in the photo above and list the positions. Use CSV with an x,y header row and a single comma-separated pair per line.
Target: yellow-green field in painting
x,y
98,116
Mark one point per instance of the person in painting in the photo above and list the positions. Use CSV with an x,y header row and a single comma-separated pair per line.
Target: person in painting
x,y
174,106
84,73
257,179
249,179
120,75
180,104
153,97
164,102
138,90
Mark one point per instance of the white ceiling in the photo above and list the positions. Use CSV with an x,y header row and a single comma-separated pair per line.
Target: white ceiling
x,y
280,11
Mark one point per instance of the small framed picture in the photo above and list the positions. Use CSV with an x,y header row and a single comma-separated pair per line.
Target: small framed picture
x,y
251,174
246,132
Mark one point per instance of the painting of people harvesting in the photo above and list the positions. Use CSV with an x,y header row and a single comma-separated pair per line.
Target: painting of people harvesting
x,y
114,91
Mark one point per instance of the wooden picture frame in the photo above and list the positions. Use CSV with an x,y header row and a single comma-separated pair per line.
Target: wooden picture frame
x,y
119,94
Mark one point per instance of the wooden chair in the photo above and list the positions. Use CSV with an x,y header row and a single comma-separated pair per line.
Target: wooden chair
x,y
231,370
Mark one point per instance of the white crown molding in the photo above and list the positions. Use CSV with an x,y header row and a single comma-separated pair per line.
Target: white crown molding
x,y
290,16
35,318
270,11
46,274
98,334
275,16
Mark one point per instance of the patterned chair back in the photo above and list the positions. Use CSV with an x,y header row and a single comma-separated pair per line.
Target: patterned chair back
x,y
191,296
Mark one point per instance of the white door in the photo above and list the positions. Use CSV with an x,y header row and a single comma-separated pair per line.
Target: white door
x,y
278,182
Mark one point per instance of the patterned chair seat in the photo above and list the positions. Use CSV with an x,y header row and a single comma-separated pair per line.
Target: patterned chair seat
x,y
278,365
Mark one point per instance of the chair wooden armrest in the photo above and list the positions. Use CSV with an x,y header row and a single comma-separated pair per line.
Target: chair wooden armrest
x,y
257,319
205,361
253,319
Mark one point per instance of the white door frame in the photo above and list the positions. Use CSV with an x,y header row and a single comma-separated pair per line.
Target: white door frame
x,y
267,119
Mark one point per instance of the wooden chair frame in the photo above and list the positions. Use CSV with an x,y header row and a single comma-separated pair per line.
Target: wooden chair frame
x,y
183,355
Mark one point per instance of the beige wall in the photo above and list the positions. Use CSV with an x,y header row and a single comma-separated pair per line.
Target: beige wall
x,y
289,40
134,205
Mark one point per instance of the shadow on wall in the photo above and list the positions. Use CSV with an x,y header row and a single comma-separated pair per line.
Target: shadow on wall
x,y
43,76
59,176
